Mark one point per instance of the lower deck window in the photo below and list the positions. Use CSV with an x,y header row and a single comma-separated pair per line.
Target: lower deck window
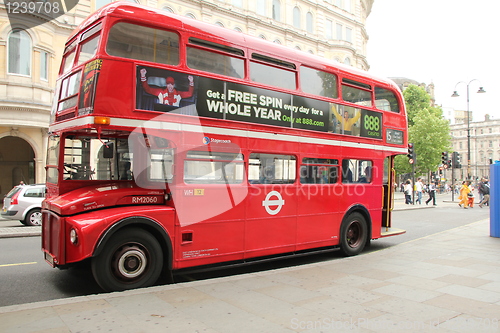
x,y
357,171
319,171
205,167
271,169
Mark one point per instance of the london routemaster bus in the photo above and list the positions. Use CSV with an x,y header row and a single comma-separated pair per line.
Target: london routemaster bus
x,y
177,144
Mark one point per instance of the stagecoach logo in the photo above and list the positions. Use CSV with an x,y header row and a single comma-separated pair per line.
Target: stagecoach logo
x,y
271,202
207,140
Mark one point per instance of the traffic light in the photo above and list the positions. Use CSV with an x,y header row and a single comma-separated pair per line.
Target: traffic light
x,y
444,159
411,153
457,162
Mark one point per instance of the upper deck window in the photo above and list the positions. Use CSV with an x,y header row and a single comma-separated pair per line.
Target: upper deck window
x,y
386,100
356,92
272,75
215,62
142,43
317,82
69,90
68,60
88,49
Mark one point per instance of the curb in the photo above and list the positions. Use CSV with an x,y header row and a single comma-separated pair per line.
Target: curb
x,y
20,232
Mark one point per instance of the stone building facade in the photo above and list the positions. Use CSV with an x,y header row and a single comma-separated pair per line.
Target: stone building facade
x,y
334,29
484,145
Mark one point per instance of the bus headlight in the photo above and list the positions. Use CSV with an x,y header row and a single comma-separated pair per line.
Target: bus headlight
x,y
73,236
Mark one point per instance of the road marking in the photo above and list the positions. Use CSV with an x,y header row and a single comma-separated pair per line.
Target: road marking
x,y
19,264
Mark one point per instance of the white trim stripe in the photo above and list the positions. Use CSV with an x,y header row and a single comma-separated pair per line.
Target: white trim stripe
x,y
152,124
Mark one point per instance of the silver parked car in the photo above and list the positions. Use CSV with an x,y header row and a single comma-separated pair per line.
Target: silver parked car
x,y
24,203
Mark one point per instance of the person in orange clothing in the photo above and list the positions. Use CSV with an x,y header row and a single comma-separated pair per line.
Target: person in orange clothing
x,y
470,196
464,195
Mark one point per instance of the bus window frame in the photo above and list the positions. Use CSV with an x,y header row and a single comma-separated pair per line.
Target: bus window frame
x,y
387,90
220,51
181,56
66,67
349,82
85,42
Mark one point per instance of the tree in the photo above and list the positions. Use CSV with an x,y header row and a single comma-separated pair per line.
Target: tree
x,y
428,131
416,99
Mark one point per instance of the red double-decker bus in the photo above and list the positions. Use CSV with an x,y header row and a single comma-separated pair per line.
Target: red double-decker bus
x,y
175,143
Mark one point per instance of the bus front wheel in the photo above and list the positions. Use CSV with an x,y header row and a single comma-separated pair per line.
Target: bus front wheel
x,y
353,234
132,258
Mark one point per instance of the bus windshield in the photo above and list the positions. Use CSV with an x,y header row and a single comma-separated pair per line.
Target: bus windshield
x,y
87,158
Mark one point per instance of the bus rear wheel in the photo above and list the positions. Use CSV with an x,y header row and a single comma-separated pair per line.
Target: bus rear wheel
x,y
353,234
132,258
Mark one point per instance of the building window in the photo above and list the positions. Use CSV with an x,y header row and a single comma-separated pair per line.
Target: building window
x,y
19,52
348,35
309,22
260,7
339,31
296,17
100,3
347,61
44,66
347,5
238,3
276,10
168,9
329,29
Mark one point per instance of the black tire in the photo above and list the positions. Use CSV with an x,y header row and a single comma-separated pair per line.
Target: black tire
x,y
131,259
353,234
34,217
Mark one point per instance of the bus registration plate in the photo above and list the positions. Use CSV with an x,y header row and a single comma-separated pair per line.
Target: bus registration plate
x,y
49,259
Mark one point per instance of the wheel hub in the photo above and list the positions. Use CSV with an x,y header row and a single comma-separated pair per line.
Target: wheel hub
x,y
132,263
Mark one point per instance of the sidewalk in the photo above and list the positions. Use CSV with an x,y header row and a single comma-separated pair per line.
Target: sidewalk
x,y
447,282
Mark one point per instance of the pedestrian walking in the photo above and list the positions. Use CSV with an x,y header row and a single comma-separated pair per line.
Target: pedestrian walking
x,y
419,187
408,188
484,189
464,194
431,190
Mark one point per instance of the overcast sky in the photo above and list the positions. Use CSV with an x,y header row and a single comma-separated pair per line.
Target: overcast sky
x,y
442,42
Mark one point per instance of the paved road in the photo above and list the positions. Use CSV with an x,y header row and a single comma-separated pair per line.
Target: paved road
x,y
27,278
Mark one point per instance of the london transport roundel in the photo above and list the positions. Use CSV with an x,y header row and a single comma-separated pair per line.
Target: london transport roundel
x,y
273,202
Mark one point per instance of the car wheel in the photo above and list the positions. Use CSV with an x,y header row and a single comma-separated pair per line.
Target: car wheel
x,y
34,217
132,258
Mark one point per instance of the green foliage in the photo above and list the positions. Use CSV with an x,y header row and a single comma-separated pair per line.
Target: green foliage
x,y
416,99
428,131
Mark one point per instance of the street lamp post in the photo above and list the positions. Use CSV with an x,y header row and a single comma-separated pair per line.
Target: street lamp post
x,y
455,94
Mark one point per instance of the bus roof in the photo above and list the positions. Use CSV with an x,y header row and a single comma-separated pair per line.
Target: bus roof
x,y
156,17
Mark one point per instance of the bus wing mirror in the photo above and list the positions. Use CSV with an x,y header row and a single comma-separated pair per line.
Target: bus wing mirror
x,y
107,150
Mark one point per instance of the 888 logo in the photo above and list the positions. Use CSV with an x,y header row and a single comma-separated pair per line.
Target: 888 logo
x,y
371,123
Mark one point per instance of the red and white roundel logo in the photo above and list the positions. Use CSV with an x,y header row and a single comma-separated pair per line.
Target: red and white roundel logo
x,y
276,204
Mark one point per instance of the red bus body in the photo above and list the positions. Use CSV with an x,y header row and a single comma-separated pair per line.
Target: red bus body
x,y
260,170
